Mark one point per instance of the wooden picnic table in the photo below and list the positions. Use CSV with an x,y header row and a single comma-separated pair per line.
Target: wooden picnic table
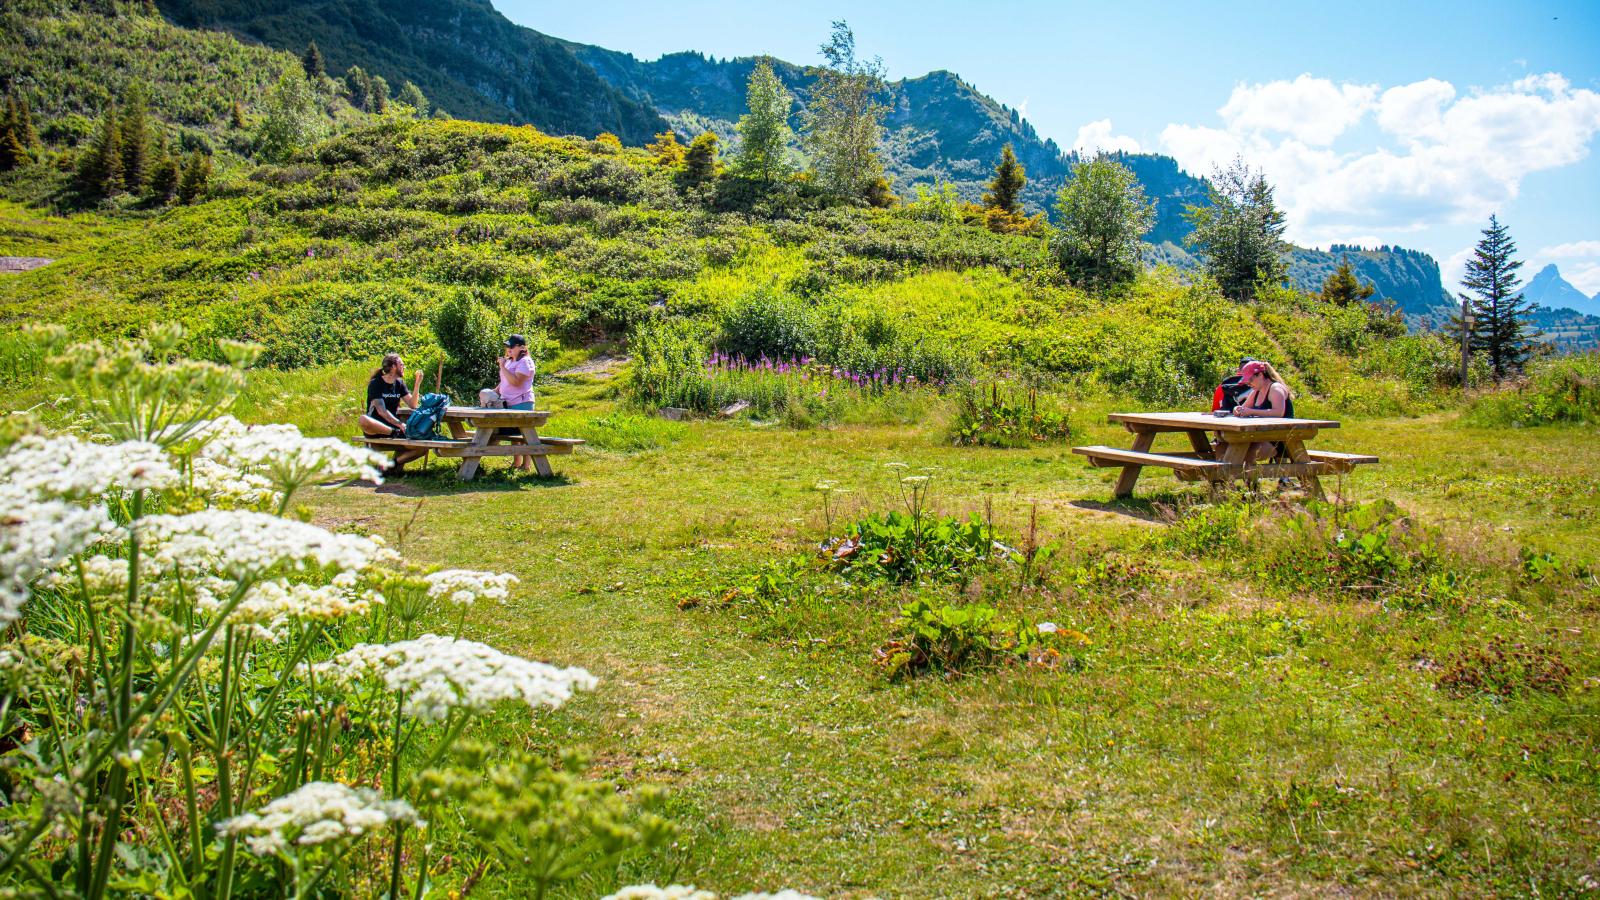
x,y
1201,461
486,438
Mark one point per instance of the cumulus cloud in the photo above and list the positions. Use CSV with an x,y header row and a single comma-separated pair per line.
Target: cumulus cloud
x,y
1585,277
1096,136
1575,249
1445,158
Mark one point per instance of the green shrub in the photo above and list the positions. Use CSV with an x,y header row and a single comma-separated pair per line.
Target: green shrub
x,y
950,639
988,419
764,324
1373,548
906,548
1564,390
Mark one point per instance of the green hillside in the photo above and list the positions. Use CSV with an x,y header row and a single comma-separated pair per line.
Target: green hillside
x,y
466,57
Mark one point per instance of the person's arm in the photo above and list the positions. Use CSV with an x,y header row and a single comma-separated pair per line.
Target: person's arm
x,y
514,374
411,396
1279,395
1245,402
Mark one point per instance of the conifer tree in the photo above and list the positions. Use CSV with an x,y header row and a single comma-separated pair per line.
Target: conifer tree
x,y
311,62
99,171
12,153
195,176
1502,330
700,163
764,131
236,116
844,120
163,179
669,153
1238,234
1342,288
1005,191
135,140
19,120
377,95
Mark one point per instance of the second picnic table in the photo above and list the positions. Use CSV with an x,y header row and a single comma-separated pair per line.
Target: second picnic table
x,y
486,435
1201,462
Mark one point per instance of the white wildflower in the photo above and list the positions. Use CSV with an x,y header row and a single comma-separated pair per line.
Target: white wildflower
x,y
1049,628
914,479
69,469
463,586
438,674
287,457
246,545
39,535
212,479
101,575
651,892
316,813
270,603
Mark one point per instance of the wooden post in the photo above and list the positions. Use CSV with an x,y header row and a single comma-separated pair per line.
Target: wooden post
x,y
438,377
1466,342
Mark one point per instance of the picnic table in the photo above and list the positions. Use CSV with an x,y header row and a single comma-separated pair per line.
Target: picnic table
x,y
1201,461
485,439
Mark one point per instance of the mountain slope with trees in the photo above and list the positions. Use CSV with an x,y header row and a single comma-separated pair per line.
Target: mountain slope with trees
x,y
466,57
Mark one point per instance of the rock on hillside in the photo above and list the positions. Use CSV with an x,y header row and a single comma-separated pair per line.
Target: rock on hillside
x,y
1408,277
1550,290
465,56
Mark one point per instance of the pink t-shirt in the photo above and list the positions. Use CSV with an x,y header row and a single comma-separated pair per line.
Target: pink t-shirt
x,y
511,393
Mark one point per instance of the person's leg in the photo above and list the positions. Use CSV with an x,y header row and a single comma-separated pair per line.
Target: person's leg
x,y
374,427
522,463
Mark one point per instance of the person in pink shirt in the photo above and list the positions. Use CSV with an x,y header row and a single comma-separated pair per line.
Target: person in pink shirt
x,y
516,384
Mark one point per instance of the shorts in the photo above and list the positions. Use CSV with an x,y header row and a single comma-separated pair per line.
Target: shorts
x,y
515,432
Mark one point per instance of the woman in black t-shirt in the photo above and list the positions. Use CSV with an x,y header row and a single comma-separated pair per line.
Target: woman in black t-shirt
x,y
386,390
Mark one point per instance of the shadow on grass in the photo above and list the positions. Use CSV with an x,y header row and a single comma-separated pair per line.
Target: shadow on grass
x,y
441,481
1147,508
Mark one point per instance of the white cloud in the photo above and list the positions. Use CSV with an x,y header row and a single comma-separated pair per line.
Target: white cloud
x,y
1096,136
1585,277
1576,248
1454,268
1022,108
1443,159
1312,110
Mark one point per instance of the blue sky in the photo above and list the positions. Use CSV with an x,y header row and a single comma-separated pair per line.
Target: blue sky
x,y
1400,123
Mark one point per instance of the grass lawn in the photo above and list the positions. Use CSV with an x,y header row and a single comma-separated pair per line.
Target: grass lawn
x,y
1224,737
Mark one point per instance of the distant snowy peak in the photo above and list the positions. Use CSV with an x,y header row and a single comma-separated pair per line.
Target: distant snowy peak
x,y
1549,289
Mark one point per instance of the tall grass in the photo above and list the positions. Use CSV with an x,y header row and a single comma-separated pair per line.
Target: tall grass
x,y
1564,390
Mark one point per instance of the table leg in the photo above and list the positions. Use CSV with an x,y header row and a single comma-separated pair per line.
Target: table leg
x,y
1197,440
469,464
1297,453
1130,474
1235,455
541,465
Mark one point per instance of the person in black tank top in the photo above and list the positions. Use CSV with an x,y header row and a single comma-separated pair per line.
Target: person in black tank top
x,y
1268,397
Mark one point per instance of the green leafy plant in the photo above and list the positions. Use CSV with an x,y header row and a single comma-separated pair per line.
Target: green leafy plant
x,y
988,419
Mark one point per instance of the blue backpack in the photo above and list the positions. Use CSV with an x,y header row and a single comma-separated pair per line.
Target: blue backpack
x,y
423,425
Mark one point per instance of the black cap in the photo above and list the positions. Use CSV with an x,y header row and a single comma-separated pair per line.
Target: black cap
x,y
1246,361
516,340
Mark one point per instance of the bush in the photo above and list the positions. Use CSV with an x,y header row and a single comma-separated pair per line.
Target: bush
x,y
1564,390
765,324
909,547
472,335
988,419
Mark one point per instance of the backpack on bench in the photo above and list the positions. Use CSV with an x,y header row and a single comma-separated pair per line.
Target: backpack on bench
x,y
423,425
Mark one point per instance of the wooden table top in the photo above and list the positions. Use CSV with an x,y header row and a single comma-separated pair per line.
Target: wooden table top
x,y
1203,421
469,413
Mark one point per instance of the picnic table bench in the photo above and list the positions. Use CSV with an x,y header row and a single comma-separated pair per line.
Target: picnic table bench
x,y
1201,462
486,438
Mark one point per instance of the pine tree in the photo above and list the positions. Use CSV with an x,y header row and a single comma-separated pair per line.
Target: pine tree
x,y
1501,330
1239,232
1342,288
100,167
311,62
377,95
700,163
1006,189
12,153
19,121
135,140
764,131
668,152
236,116
196,174
163,179
358,86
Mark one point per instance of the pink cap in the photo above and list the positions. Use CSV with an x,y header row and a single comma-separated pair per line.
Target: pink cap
x,y
1250,369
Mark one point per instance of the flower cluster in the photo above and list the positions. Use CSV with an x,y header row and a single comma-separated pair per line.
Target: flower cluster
x,y
269,604
690,892
39,535
437,675
290,459
218,482
249,545
464,586
316,813
69,469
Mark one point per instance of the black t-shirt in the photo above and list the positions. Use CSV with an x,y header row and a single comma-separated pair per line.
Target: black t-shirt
x,y
390,394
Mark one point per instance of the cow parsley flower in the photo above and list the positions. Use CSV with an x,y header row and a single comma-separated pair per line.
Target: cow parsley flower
x,y
219,483
320,812
66,468
438,674
463,586
651,892
290,459
270,603
248,545
39,535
